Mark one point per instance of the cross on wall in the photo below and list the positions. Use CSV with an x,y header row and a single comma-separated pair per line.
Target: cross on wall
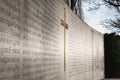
x,y
65,25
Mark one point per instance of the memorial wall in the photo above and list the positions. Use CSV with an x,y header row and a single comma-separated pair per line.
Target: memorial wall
x,y
85,55
32,43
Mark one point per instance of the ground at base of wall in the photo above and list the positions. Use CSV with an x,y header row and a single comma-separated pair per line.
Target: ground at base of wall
x,y
110,79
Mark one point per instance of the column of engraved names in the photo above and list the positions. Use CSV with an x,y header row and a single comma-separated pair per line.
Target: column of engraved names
x,y
29,36
74,55
47,58
9,42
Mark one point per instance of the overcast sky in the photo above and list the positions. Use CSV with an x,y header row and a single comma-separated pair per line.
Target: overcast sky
x,y
94,17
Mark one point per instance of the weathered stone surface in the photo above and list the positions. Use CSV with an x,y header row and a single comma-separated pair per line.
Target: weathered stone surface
x,y
85,53
32,43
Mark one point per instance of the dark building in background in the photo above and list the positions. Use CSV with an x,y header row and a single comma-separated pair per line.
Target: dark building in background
x,y
112,55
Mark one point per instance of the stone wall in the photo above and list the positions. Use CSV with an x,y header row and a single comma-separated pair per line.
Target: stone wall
x,y
32,43
85,54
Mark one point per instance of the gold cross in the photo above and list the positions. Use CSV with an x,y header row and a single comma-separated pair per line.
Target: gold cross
x,y
65,25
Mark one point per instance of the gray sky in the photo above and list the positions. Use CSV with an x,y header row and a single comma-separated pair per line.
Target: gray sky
x,y
94,17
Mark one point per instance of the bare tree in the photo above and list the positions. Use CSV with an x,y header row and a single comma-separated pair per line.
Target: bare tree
x,y
115,3
67,1
75,5
113,25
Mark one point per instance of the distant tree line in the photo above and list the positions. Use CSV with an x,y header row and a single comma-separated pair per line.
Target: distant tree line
x,y
112,55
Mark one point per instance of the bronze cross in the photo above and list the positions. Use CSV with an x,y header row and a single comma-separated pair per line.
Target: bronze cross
x,y
65,25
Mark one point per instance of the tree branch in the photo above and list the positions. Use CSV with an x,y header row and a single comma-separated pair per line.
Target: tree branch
x,y
115,3
73,2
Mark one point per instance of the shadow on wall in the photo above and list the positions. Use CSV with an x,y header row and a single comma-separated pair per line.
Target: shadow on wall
x,y
112,55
